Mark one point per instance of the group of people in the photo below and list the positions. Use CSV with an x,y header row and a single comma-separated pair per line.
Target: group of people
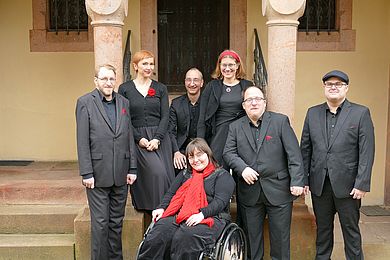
x,y
178,161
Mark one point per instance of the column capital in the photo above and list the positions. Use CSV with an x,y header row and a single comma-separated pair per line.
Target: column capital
x,y
283,12
107,12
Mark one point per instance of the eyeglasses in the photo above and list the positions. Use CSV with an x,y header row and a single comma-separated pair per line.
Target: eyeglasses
x,y
107,79
195,80
250,100
229,65
337,84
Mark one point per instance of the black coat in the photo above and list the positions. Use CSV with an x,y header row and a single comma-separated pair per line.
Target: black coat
x,y
108,154
179,121
349,155
219,188
276,158
209,103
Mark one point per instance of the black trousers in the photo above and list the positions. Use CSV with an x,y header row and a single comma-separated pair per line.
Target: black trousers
x,y
107,208
279,218
168,240
325,208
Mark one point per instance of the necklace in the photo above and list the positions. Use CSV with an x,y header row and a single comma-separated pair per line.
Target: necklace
x,y
228,88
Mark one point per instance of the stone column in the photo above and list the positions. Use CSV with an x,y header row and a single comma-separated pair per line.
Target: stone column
x,y
282,16
107,21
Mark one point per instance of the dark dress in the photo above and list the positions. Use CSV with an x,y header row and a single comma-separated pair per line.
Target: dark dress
x,y
168,240
218,108
150,116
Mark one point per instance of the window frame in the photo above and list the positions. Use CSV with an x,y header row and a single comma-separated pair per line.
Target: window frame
x,y
344,39
43,40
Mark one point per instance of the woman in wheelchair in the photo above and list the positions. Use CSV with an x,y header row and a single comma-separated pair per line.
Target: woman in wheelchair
x,y
194,211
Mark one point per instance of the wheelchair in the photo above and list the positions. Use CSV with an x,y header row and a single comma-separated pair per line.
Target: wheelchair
x,y
231,245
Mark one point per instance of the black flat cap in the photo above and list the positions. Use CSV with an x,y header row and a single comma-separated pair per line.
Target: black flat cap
x,y
338,74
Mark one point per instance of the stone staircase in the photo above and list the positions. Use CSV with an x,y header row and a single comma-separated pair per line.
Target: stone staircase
x,y
44,215
37,231
302,234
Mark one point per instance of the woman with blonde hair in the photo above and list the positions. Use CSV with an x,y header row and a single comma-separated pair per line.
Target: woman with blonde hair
x,y
149,111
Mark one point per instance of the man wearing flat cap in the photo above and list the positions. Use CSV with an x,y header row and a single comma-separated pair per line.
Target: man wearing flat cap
x,y
338,147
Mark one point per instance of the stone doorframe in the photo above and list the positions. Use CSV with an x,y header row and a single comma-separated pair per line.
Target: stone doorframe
x,y
387,166
237,27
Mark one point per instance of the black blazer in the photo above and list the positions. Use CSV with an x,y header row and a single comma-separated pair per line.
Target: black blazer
x,y
348,156
108,154
179,121
277,159
209,103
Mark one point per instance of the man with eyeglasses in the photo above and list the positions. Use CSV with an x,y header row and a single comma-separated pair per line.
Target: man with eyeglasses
x,y
263,150
107,161
183,117
338,147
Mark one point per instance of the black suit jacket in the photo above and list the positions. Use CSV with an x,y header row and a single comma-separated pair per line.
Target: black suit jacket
x,y
179,121
209,103
108,154
348,156
277,159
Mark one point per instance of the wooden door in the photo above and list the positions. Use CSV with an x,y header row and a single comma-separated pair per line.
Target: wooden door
x,y
190,34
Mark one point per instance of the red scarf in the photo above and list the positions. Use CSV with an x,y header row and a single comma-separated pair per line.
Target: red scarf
x,y
191,197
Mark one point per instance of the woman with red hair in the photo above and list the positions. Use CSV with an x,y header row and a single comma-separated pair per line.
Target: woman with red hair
x,y
221,102
149,113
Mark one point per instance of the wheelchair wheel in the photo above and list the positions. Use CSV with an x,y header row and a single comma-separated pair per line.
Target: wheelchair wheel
x,y
231,245
142,242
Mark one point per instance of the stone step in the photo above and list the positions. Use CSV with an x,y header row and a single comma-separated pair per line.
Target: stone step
x,y
38,219
37,246
41,186
302,232
132,233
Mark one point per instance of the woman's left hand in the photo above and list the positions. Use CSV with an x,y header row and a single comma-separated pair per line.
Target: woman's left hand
x,y
195,219
153,145
157,214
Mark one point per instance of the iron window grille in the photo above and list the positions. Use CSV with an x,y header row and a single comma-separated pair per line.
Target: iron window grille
x,y
319,16
67,15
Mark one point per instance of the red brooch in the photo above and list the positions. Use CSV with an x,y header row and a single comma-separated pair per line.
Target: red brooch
x,y
268,137
123,111
151,92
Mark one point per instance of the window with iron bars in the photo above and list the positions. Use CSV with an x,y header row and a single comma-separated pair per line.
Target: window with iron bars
x,y
319,16
67,15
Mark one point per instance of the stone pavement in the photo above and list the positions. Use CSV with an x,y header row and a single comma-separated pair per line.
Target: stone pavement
x,y
375,234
